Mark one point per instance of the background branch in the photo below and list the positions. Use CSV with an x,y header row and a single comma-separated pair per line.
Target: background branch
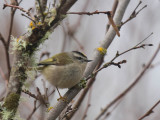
x,y
150,111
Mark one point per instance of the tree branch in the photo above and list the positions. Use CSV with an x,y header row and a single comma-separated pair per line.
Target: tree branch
x,y
150,111
17,7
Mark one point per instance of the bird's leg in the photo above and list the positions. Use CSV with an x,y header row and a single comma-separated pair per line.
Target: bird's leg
x,y
61,97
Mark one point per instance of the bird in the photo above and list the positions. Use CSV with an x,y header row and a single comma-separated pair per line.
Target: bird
x,y
64,70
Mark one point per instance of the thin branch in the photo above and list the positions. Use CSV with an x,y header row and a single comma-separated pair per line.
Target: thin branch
x,y
73,29
34,109
17,7
6,54
20,1
150,111
109,14
153,65
114,7
144,39
30,94
109,112
3,40
78,43
28,18
113,24
51,92
130,86
41,98
89,13
134,13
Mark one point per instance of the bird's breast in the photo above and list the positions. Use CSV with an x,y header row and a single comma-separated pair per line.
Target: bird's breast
x,y
63,76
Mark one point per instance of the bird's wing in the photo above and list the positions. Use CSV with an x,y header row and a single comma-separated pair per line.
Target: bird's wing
x,y
59,59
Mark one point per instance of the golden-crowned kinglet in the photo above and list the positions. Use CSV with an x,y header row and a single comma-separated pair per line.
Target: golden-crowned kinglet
x,y
64,70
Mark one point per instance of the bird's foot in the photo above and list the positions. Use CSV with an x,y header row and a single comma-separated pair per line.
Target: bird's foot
x,y
64,99
82,83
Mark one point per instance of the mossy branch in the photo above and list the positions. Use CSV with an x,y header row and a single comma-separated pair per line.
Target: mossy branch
x,y
24,50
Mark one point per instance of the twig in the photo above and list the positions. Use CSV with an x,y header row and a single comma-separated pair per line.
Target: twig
x,y
113,24
89,13
74,27
3,40
28,18
130,86
30,94
150,111
100,12
34,109
7,54
134,13
51,92
20,1
109,112
79,44
153,65
144,39
17,7
114,7
10,31
41,97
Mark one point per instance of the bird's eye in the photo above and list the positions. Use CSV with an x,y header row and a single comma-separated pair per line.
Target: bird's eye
x,y
79,58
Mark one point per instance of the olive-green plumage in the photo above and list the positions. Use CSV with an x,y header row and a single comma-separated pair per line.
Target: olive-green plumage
x,y
59,59
64,70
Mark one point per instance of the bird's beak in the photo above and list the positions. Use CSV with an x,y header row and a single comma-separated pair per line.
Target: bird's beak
x,y
88,60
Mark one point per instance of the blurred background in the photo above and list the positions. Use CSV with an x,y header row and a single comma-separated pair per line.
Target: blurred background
x,y
85,33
